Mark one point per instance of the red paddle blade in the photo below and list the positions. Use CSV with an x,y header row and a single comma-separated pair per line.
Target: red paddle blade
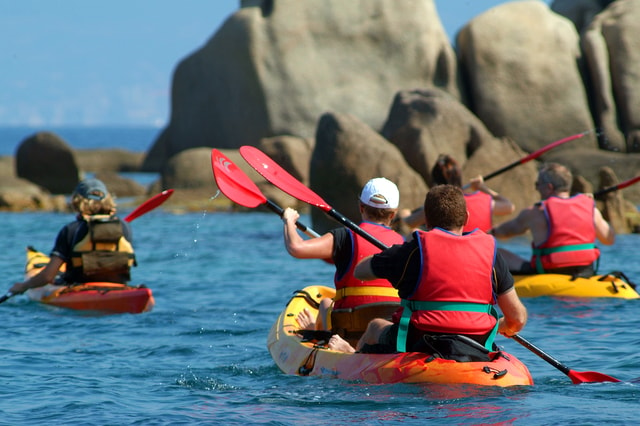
x,y
149,205
544,149
578,377
278,176
233,182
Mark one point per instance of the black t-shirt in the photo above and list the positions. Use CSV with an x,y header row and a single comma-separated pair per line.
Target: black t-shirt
x,y
400,264
342,250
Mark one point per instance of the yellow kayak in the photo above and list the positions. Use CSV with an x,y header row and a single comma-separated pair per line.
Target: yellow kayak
x,y
298,356
613,284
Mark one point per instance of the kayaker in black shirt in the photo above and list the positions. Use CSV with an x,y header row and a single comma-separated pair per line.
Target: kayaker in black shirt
x,y
448,282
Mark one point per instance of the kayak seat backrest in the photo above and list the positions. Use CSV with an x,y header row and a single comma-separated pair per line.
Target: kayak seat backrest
x,y
350,323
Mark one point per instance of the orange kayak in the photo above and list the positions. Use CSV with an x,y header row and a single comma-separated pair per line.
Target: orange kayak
x,y
104,297
295,356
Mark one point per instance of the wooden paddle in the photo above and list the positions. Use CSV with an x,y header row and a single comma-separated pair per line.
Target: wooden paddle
x,y
576,377
531,156
240,189
616,187
275,174
149,205
143,208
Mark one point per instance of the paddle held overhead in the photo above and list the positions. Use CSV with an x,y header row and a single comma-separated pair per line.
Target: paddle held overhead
x,y
275,174
240,189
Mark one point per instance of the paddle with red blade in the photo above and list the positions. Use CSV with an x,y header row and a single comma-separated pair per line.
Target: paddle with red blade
x,y
616,187
149,205
531,156
576,377
143,208
275,174
240,189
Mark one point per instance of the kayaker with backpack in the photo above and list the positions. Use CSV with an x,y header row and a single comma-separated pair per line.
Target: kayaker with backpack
x,y
349,312
564,228
482,202
94,247
448,282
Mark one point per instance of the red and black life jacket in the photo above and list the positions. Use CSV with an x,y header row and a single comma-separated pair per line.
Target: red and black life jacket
x,y
455,294
352,292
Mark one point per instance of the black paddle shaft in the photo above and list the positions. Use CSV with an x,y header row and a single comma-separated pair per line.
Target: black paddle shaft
x,y
350,224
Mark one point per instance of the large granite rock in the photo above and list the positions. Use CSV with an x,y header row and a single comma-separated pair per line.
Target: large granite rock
x,y
612,50
521,65
275,66
347,154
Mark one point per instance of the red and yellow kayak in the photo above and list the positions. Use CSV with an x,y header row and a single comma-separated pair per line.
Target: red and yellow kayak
x,y
295,356
608,285
104,297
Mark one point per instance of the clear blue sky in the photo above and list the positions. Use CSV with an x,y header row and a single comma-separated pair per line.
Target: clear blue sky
x,y
83,62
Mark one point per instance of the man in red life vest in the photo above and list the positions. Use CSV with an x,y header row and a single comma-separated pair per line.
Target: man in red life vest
x,y
482,202
378,206
448,282
564,228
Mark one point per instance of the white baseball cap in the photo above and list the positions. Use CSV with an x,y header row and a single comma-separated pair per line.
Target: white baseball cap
x,y
380,193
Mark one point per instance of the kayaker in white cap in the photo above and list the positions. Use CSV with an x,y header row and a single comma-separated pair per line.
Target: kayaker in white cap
x,y
378,203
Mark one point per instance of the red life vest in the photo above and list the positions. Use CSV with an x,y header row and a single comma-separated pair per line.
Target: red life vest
x,y
455,293
571,234
351,292
480,211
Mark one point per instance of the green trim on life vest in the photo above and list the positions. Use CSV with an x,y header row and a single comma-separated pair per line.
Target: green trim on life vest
x,y
539,252
411,306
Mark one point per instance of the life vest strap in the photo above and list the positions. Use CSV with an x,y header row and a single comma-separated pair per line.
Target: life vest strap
x,y
539,252
365,291
411,306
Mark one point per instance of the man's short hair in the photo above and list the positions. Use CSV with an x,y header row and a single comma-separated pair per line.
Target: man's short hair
x,y
557,175
445,207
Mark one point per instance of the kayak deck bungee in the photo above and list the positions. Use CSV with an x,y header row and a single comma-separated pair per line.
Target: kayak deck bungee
x,y
613,284
106,297
298,356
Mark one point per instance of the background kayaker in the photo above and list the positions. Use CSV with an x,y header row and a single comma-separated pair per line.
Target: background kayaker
x,y
482,202
564,228
439,267
378,206
105,254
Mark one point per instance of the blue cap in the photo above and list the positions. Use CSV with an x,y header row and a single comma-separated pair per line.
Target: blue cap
x,y
92,189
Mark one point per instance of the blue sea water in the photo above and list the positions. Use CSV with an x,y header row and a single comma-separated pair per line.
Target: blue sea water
x,y
200,357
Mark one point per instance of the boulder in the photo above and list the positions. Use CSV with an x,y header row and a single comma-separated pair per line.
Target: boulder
x,y
612,50
48,161
18,195
520,63
424,123
612,205
347,154
119,186
108,160
276,65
